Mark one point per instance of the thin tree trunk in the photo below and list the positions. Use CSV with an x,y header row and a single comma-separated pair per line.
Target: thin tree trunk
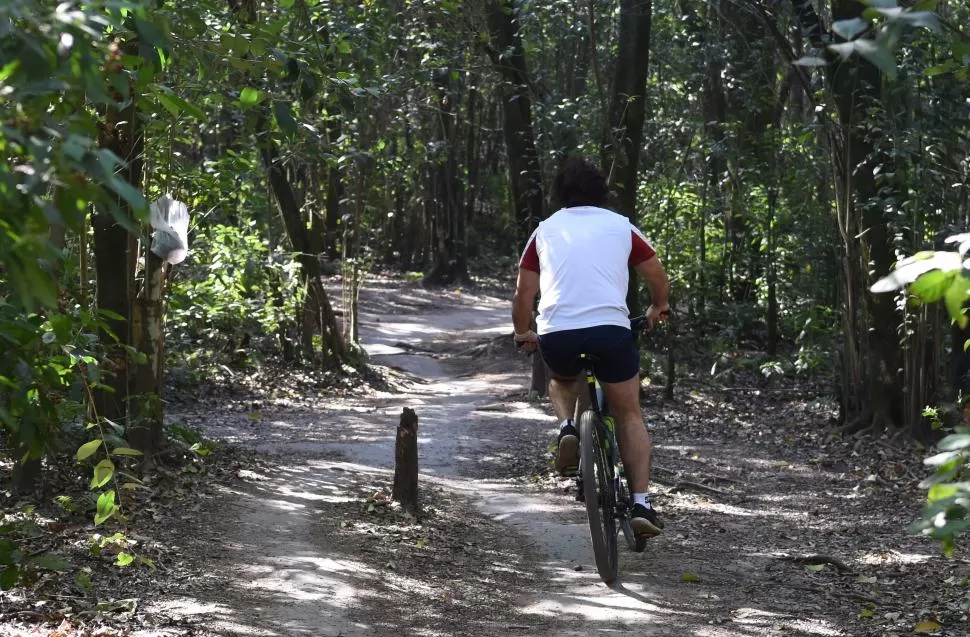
x,y
508,57
334,195
334,350
115,253
628,112
145,414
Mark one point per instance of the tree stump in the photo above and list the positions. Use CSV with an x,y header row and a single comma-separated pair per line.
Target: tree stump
x,y
406,462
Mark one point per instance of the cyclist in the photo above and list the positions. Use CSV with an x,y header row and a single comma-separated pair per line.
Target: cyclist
x,y
578,261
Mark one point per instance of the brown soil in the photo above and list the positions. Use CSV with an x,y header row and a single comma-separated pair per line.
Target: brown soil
x,y
774,525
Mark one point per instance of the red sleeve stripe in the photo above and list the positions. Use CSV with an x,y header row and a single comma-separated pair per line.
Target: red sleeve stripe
x,y
530,258
641,250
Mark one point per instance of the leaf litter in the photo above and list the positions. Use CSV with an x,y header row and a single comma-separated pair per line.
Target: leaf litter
x,y
755,486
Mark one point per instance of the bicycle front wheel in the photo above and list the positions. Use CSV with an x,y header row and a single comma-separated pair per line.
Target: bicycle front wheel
x,y
599,494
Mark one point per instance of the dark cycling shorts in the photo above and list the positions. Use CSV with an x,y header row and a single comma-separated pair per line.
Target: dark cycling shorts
x,y
611,348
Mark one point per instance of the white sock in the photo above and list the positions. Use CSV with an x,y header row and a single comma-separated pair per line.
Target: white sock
x,y
642,498
563,424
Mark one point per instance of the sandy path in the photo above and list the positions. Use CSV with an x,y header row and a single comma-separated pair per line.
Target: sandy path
x,y
288,572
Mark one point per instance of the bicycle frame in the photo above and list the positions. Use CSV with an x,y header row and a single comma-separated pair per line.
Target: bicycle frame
x,y
605,438
597,402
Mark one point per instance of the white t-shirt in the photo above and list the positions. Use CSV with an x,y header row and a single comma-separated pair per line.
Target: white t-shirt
x,y
582,255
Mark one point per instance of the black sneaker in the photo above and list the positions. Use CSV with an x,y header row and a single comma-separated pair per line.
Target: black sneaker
x,y
567,450
645,521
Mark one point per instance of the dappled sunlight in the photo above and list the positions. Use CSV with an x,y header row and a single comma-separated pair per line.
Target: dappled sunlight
x,y
781,622
741,521
882,558
591,606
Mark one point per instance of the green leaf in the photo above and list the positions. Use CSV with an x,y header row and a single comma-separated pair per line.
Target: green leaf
x,y
149,32
286,4
108,314
169,104
124,559
954,442
87,449
941,458
82,580
954,298
9,577
923,19
941,492
284,118
51,562
931,286
177,105
125,451
879,54
103,472
815,568
849,29
912,268
941,69
106,507
248,97
690,577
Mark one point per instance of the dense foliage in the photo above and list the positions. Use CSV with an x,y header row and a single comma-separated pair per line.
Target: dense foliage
x,y
782,156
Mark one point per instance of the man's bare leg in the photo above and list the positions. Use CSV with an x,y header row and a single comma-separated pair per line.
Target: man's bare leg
x,y
635,447
563,391
562,394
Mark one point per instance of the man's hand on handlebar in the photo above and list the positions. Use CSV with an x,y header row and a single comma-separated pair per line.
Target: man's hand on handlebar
x,y
527,342
657,314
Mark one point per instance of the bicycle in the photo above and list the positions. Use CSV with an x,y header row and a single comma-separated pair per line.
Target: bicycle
x,y
606,495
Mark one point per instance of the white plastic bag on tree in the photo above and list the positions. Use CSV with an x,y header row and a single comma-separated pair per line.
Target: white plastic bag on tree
x,y
170,220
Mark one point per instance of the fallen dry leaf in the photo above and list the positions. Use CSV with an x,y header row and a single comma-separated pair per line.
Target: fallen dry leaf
x,y
927,626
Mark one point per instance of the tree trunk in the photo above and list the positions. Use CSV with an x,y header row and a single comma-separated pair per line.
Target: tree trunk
x,y
115,254
627,114
857,85
334,195
334,350
405,490
715,116
450,265
145,408
508,57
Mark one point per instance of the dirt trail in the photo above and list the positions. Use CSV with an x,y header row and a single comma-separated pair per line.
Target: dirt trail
x,y
308,545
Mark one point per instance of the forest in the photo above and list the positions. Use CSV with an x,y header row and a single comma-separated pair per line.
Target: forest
x,y
193,192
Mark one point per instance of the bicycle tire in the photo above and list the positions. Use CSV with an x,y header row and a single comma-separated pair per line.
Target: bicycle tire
x,y
600,498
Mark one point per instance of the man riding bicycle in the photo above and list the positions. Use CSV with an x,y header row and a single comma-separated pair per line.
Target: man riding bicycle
x,y
578,261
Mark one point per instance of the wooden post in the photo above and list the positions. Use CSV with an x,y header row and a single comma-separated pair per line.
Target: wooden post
x,y
406,462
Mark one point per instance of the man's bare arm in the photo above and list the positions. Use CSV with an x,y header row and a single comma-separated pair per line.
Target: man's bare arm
x,y
653,271
526,289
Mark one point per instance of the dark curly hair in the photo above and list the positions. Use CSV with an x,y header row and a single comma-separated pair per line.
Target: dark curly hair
x,y
579,182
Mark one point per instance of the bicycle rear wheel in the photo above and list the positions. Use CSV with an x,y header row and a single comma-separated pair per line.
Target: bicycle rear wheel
x,y
600,497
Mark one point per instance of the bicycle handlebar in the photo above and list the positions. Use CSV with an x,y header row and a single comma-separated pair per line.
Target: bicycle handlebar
x,y
639,323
